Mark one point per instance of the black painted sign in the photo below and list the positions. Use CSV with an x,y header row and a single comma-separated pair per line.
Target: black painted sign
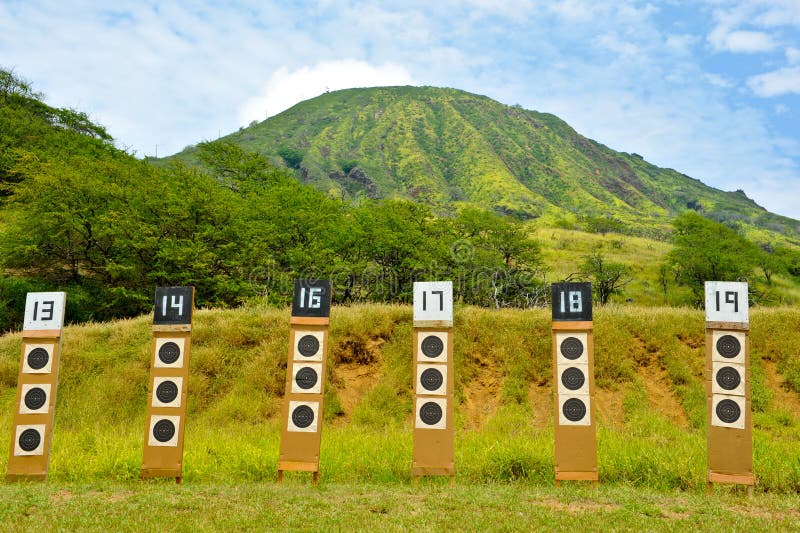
x,y
572,302
312,297
174,305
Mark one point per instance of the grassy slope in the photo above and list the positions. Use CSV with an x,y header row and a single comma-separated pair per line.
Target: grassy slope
x,y
650,401
563,250
445,145
650,407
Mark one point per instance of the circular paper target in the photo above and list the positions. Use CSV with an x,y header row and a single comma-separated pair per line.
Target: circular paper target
x,y
308,345
430,413
728,411
432,346
303,416
169,353
163,430
572,378
167,391
35,398
728,378
29,440
431,379
38,358
306,378
728,346
571,348
574,410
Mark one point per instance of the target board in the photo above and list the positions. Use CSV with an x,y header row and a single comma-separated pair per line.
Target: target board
x,y
305,377
36,386
730,425
433,385
169,375
573,382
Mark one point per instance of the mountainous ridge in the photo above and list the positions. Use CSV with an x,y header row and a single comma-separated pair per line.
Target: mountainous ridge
x,y
446,146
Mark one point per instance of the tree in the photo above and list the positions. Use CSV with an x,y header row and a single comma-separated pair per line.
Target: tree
x,y
607,277
707,251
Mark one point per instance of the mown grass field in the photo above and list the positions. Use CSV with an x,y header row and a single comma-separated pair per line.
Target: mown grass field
x,y
650,404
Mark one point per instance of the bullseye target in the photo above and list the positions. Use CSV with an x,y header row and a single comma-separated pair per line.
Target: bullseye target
x,y
573,379
169,352
35,398
307,378
432,347
571,348
167,391
728,379
432,379
38,359
164,430
303,417
431,413
728,346
29,440
574,410
308,345
728,411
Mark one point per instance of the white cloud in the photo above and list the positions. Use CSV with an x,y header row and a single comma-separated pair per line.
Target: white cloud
x,y
741,41
286,88
176,73
776,83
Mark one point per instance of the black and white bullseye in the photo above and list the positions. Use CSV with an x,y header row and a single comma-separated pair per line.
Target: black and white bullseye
x,y
306,378
29,440
164,430
431,379
574,409
571,348
728,378
167,391
728,411
430,413
432,346
169,352
573,378
302,416
308,345
35,398
38,358
728,346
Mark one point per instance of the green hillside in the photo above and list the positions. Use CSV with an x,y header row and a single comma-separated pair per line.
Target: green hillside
x,y
445,146
80,215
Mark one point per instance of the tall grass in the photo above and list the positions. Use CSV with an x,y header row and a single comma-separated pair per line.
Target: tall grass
x,y
238,369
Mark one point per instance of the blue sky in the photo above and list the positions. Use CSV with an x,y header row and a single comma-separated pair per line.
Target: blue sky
x,y
710,88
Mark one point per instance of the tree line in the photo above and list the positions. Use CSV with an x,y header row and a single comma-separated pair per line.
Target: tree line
x,y
79,214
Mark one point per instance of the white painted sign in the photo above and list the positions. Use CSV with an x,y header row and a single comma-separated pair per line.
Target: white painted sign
x,y
433,300
726,301
44,310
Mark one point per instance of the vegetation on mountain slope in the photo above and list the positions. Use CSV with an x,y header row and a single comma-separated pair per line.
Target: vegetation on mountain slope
x,y
445,147
83,216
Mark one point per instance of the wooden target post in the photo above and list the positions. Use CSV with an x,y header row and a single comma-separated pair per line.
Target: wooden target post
x,y
434,451
32,433
729,419
573,383
169,379
305,378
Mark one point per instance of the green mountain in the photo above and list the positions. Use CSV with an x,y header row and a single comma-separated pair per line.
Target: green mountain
x,y
445,146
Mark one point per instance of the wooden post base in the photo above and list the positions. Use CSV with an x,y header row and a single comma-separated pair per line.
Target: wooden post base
x,y
295,466
577,476
749,480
